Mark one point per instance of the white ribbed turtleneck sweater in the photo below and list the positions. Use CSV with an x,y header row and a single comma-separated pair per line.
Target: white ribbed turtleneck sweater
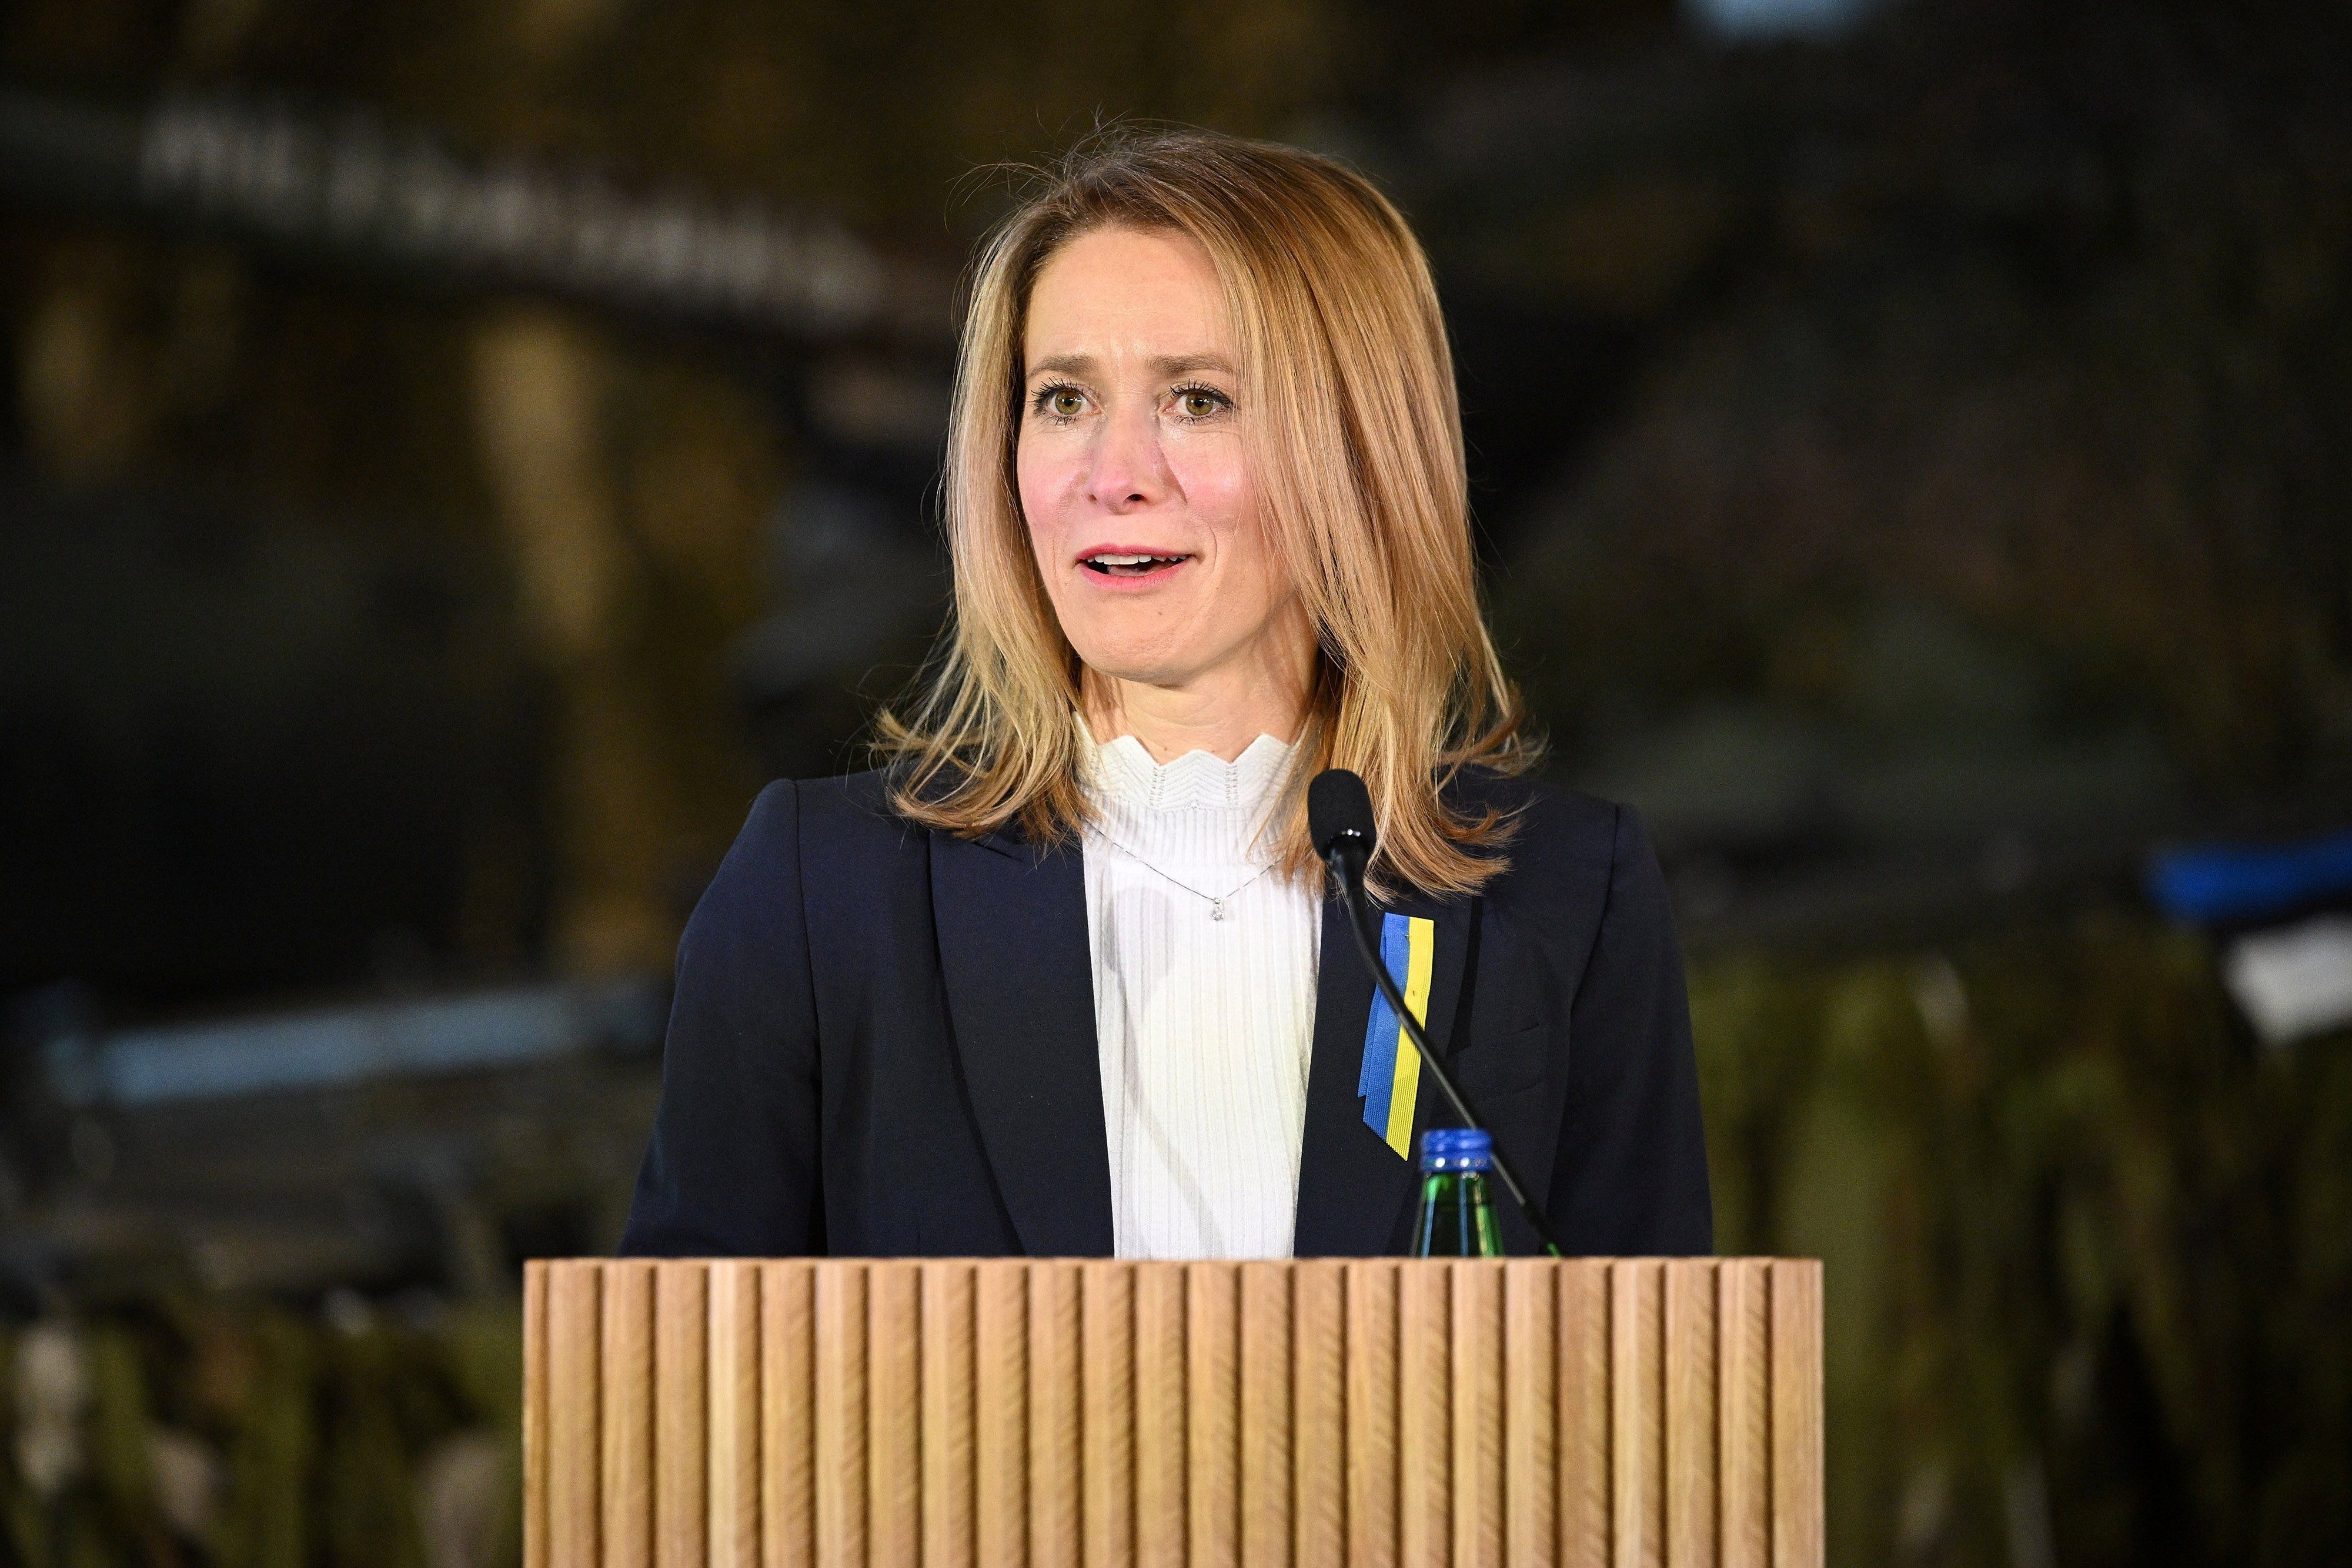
x,y
1204,1025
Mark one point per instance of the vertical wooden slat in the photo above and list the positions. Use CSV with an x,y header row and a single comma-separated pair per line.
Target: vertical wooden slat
x,y
1586,1482
1628,1473
1319,1414
1743,1431
948,1533
1107,1370
1159,1474
574,1314
1637,1398
1477,1416
734,1539
1530,1400
1371,1415
681,1413
627,1437
787,1414
1691,1497
1425,1387
1053,1410
894,1410
1001,1411
534,1414
1266,1413
840,1435
1796,1358
1212,1405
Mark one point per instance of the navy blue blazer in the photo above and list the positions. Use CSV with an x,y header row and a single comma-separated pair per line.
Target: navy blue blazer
x,y
882,1044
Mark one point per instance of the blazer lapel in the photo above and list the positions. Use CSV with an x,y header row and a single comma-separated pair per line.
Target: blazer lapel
x,y
1012,924
1353,1190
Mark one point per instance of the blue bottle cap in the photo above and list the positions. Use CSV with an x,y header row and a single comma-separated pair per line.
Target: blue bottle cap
x,y
1456,1149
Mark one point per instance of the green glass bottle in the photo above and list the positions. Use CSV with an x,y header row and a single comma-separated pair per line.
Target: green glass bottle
x,y
1456,1220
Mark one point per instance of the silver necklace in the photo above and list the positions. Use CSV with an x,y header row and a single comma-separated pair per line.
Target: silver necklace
x,y
1216,903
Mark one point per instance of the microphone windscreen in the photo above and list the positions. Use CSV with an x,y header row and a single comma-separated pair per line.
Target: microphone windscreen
x,y
1337,804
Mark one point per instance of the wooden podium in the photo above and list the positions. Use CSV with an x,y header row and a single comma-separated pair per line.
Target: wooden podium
x,y
755,1414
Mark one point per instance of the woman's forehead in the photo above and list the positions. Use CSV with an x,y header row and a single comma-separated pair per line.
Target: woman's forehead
x,y
1151,299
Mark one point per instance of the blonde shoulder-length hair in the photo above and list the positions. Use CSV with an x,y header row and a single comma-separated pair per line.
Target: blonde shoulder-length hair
x,y
1347,402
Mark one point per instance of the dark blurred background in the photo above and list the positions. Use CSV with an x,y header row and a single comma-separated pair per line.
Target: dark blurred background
x,y
452,453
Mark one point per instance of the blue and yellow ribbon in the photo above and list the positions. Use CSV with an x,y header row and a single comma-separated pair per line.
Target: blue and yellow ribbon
x,y
1391,1078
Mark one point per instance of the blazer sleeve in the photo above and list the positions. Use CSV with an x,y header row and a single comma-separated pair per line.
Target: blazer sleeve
x,y
1630,1180
733,1168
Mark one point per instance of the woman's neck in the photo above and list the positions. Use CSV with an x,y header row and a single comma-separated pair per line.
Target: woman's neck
x,y
1219,714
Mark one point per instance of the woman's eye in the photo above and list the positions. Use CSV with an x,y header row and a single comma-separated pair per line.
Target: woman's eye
x,y
1198,404
1065,403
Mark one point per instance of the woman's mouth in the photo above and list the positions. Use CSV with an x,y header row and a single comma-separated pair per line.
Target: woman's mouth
x,y
1129,564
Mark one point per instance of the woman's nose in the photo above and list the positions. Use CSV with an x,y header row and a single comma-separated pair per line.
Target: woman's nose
x,y
1128,470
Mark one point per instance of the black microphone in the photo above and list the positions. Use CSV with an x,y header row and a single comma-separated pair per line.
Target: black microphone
x,y
1340,820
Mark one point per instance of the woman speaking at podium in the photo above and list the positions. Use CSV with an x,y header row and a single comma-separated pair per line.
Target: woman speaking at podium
x,y
1062,978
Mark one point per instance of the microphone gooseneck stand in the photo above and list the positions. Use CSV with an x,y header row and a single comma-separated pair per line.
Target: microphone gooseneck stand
x,y
1344,860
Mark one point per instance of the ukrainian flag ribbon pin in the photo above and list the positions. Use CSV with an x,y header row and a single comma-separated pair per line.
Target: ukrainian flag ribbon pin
x,y
1391,1078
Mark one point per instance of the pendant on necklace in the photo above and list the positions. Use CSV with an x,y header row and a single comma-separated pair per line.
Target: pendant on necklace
x,y
1216,909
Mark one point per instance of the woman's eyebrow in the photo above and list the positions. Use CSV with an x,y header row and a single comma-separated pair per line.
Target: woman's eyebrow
x,y
1187,364
1166,365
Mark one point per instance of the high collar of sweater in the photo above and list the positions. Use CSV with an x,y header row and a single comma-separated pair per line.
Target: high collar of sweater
x,y
1121,772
